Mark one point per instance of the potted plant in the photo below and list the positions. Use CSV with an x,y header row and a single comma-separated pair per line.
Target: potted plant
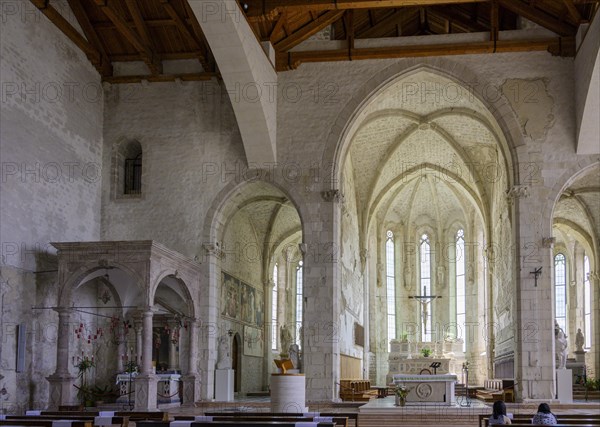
x,y
401,393
426,352
85,392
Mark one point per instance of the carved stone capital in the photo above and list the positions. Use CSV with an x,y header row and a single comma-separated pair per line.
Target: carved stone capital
x,y
333,196
517,192
213,249
303,248
548,242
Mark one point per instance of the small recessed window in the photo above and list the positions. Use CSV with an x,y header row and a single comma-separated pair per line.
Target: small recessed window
x,y
133,175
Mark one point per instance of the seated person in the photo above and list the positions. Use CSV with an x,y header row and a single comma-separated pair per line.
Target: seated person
x,y
544,416
499,414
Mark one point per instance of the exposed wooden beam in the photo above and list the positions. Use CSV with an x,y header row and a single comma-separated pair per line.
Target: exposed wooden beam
x,y
573,10
278,26
104,65
149,56
539,17
166,56
556,46
308,30
269,8
140,24
184,30
207,54
399,17
188,77
349,23
457,19
68,30
494,21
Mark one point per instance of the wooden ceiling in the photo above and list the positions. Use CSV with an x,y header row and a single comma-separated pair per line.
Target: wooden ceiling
x,y
153,31
287,23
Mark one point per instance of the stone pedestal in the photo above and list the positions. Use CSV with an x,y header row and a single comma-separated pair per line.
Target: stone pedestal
x,y
61,391
580,356
564,385
224,385
145,393
191,389
288,393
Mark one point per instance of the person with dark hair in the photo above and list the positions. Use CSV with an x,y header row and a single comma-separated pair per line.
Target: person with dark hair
x,y
544,415
499,414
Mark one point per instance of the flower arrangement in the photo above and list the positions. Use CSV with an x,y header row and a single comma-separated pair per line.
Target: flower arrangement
x,y
426,352
401,393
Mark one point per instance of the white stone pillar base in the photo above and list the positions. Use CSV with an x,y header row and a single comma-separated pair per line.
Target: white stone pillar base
x,y
62,391
564,385
288,393
191,390
145,393
224,381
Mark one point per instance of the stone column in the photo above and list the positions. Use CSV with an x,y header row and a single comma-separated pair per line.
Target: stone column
x,y
122,349
211,274
191,381
137,326
61,381
145,383
173,341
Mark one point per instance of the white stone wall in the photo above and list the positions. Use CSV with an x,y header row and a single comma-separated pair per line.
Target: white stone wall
x,y
51,148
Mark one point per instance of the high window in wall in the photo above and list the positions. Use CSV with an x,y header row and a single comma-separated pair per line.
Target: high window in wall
x,y
425,275
298,303
274,309
587,303
461,299
391,287
560,290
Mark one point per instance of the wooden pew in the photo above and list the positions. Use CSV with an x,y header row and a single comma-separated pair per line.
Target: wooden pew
x,y
44,423
349,415
121,421
233,422
577,419
132,415
339,421
497,389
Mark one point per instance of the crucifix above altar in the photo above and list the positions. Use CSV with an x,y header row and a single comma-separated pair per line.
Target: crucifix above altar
x,y
424,300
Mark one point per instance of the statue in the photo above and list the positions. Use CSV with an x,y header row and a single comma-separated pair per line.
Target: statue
x,y
295,355
286,339
579,341
224,355
561,346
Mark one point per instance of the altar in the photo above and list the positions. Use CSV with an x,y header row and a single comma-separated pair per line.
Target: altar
x,y
167,388
428,389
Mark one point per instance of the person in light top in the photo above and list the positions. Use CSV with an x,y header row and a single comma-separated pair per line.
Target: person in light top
x,y
499,414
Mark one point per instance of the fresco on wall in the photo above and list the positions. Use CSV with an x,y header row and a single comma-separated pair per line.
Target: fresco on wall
x,y
253,341
241,301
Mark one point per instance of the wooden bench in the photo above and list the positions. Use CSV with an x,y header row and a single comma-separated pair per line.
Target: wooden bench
x,y
131,415
497,389
234,422
562,418
356,390
44,423
121,421
338,421
349,415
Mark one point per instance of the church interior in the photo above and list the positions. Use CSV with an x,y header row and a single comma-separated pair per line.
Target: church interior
x,y
384,193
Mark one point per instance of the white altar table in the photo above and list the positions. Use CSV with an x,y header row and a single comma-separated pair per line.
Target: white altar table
x,y
428,389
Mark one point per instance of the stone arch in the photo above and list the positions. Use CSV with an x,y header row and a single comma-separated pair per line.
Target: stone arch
x,y
338,140
76,279
192,303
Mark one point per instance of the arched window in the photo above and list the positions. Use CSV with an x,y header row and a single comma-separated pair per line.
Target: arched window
x,y
390,286
298,303
560,290
587,303
425,270
461,299
274,294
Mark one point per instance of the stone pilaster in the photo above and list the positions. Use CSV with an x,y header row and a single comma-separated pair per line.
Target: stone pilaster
x,y
192,381
145,383
61,381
